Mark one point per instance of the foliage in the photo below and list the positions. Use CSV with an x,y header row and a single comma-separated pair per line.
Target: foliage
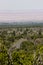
x,y
4,57
30,52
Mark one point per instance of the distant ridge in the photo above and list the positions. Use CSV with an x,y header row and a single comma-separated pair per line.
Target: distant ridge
x,y
22,23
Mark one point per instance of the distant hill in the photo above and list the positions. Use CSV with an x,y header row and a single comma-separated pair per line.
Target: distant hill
x,y
28,23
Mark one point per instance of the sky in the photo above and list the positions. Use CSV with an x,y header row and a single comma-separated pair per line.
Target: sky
x,y
21,10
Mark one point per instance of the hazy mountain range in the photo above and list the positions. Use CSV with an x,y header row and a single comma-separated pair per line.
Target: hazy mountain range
x,y
22,23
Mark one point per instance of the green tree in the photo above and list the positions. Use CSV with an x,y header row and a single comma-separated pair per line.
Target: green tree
x,y
4,57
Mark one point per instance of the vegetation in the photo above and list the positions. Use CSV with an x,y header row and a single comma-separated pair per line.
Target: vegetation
x,y
21,46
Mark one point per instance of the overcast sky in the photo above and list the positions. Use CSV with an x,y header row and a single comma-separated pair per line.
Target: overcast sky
x,y
21,10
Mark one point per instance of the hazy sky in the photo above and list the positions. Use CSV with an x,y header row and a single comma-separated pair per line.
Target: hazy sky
x,y
21,10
